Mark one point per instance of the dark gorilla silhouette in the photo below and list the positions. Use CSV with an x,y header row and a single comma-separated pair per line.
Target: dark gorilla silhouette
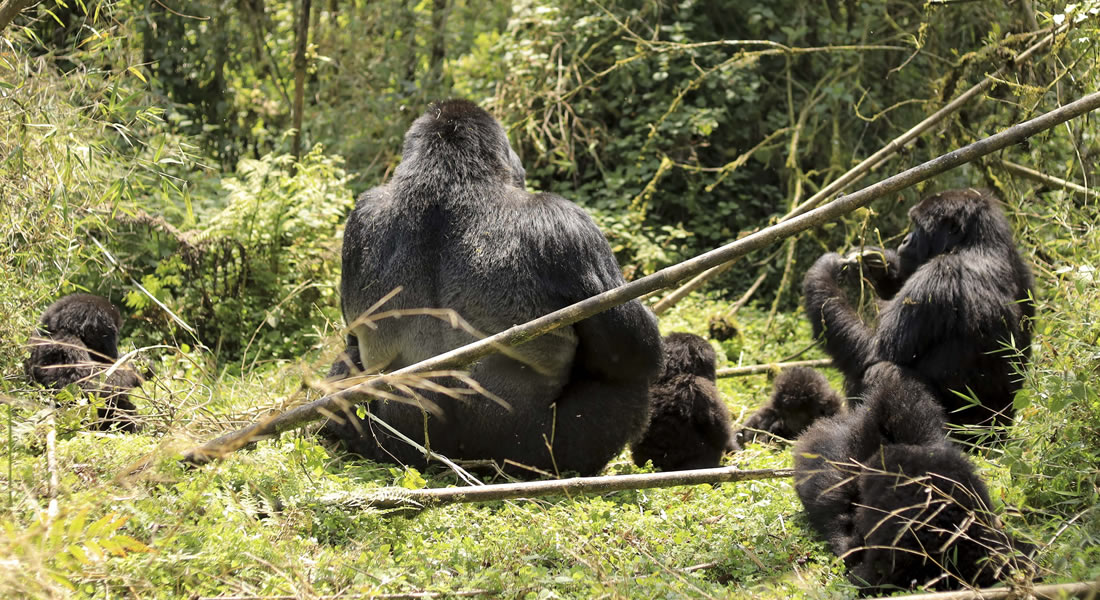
x,y
455,229
894,498
800,396
689,425
958,307
76,342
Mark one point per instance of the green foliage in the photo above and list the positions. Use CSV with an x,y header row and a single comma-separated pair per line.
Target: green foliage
x,y
261,277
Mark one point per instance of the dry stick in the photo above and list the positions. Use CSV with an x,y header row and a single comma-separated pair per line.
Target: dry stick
x,y
1042,592
1032,174
776,366
668,276
404,498
744,299
373,596
872,161
52,509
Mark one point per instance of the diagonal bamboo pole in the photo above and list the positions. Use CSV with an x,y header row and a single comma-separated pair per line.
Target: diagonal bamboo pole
x,y
519,334
872,161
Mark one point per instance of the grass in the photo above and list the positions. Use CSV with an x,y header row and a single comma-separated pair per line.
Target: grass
x,y
270,521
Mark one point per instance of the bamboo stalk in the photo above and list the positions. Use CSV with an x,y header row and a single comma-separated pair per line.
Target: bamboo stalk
x,y
776,366
11,9
874,160
1032,174
1042,592
403,498
668,276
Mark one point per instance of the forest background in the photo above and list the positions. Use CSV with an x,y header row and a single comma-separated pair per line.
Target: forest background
x,y
194,163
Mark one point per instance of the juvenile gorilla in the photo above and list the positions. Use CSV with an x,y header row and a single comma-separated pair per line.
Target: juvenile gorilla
x,y
958,307
76,342
455,229
689,426
894,498
800,396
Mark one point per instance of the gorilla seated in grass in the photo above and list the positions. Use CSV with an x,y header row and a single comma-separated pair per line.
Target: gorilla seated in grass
x,y
894,498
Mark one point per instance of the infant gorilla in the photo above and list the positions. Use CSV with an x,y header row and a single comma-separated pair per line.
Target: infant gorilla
x,y
894,498
689,425
800,396
76,342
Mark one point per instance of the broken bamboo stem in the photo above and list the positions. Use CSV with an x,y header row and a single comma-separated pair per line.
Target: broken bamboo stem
x,y
776,366
387,498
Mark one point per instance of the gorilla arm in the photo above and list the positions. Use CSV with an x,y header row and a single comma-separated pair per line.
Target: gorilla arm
x,y
848,340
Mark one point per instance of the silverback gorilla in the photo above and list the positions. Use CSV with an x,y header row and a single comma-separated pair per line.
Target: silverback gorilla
x,y
958,310
894,498
455,229
689,425
800,396
76,342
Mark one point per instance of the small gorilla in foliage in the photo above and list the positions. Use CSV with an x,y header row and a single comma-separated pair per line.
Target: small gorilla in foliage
x,y
800,396
76,342
455,229
958,310
689,425
894,498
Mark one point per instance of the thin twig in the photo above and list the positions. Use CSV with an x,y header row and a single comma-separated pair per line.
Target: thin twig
x,y
666,277
388,498
769,367
1032,174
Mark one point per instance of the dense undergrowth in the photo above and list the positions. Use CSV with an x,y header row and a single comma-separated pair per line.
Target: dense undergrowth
x,y
226,272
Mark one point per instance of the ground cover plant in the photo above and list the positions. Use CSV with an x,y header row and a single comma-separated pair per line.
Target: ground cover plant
x,y
144,156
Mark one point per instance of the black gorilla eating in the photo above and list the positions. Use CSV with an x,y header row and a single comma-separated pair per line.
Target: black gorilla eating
x,y
800,396
76,342
894,498
689,425
455,229
958,311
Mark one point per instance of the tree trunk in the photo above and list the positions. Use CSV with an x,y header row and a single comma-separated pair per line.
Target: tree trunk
x,y
300,76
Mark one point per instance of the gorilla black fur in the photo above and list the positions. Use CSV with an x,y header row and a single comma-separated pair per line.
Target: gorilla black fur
x,y
455,229
76,342
958,311
894,498
800,396
689,425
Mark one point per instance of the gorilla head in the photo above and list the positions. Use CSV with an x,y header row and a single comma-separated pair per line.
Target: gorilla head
x,y
958,311
894,498
76,342
455,229
800,396
689,425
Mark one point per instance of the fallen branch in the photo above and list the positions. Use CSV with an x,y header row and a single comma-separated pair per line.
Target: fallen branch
x,y
1032,174
404,498
777,366
1041,592
874,160
666,277
372,595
